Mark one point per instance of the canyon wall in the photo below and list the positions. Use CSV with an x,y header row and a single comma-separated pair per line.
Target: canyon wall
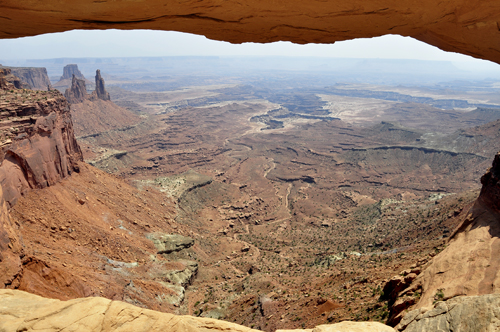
x,y
37,149
469,265
9,81
35,78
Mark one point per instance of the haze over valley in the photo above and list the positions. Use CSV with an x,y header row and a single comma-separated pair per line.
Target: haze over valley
x,y
271,192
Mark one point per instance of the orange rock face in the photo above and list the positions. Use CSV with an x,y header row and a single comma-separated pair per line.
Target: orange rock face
x,y
469,265
37,149
38,145
469,27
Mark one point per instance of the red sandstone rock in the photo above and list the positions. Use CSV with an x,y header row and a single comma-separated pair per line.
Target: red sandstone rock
x,y
99,87
38,144
77,93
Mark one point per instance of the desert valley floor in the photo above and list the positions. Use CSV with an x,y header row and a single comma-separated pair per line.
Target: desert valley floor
x,y
273,203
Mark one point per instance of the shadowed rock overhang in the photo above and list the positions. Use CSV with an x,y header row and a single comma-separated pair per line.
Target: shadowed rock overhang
x,y
466,26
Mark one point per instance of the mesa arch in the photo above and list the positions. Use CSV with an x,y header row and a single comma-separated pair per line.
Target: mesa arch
x,y
470,27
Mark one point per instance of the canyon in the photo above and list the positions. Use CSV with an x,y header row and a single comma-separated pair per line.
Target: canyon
x,y
249,202
273,201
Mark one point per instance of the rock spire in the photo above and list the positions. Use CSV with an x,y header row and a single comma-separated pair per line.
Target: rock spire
x,y
77,93
99,87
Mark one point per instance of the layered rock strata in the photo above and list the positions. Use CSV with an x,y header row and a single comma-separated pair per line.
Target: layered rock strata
x,y
37,149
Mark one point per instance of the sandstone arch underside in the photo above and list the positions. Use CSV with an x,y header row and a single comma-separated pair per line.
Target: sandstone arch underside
x,y
467,26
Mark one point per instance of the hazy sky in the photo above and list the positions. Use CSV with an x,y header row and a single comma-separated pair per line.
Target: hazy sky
x,y
121,43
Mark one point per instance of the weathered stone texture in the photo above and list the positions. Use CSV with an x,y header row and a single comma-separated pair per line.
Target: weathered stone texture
x,y
77,93
35,78
463,313
20,311
469,27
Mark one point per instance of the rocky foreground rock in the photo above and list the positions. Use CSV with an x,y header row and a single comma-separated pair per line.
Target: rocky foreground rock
x,y
463,313
21,311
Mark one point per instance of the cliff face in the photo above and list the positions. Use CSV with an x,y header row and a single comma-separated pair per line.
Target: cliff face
x,y
490,192
38,147
470,264
10,81
35,78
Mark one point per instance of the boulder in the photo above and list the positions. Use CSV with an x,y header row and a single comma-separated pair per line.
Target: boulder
x,y
347,326
168,243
